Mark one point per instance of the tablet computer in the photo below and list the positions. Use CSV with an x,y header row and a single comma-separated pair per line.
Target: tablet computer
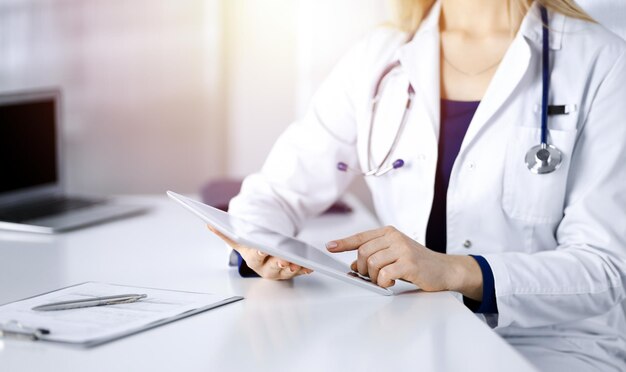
x,y
276,244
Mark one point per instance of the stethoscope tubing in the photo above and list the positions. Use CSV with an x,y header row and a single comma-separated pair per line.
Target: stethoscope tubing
x,y
546,75
541,159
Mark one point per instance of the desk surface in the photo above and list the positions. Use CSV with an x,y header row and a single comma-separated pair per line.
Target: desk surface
x,y
310,323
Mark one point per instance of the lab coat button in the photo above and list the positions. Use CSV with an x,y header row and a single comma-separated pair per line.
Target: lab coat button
x,y
472,165
467,244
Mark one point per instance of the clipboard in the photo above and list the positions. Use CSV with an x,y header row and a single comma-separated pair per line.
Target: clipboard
x,y
93,326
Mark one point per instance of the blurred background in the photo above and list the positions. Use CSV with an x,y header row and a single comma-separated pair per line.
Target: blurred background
x,y
166,94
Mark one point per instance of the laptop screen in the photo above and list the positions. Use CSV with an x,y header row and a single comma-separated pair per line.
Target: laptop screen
x,y
28,145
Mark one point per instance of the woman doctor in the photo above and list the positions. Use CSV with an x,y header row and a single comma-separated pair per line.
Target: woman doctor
x,y
495,151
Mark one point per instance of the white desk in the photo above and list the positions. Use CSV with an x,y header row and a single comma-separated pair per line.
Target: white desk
x,y
310,323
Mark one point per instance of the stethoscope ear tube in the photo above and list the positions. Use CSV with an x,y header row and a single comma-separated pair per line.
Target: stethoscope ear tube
x,y
380,169
540,159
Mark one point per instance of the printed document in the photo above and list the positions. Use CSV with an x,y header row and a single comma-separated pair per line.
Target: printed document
x,y
94,325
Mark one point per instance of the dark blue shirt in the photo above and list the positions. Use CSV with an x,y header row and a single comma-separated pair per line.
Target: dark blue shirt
x,y
455,119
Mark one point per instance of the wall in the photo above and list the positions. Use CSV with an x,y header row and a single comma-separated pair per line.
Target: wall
x,y
260,70
279,51
140,81
167,94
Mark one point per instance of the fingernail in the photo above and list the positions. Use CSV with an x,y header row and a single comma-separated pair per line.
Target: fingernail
x,y
259,253
331,245
280,265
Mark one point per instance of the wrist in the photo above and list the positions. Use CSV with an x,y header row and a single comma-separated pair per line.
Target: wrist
x,y
466,277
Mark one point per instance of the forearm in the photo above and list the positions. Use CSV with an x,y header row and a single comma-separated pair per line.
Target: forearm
x,y
464,276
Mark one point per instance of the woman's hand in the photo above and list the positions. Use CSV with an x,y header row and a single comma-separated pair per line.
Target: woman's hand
x,y
266,266
386,255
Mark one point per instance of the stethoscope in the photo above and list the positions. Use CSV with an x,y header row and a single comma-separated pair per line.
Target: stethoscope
x,y
540,159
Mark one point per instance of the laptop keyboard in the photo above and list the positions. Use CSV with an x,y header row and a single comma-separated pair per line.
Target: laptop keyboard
x,y
44,208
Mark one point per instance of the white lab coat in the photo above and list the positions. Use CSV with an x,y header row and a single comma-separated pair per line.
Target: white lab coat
x,y
556,243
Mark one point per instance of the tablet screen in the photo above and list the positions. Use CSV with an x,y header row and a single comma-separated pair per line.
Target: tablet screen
x,y
263,239
267,238
276,244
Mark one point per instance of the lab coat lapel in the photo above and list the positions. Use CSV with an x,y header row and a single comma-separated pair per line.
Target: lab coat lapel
x,y
512,69
420,61
509,74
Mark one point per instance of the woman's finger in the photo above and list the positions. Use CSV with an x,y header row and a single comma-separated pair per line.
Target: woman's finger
x,y
279,269
282,264
288,265
368,249
380,259
355,241
286,274
292,274
388,275
262,263
254,258
272,268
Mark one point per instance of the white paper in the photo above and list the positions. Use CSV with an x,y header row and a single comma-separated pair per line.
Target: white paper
x,y
90,324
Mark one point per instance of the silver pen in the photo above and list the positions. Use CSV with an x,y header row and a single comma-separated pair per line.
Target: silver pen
x,y
96,301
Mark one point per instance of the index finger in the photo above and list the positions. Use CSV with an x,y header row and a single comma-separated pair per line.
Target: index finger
x,y
355,241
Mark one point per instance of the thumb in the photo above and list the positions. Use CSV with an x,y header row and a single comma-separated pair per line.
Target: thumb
x,y
222,236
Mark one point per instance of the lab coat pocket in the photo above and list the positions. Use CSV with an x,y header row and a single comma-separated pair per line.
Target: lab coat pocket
x,y
535,198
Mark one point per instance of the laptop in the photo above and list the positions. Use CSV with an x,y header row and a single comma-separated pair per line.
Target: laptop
x,y
32,198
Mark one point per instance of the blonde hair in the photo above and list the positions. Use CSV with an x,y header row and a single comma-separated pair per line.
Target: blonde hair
x,y
409,13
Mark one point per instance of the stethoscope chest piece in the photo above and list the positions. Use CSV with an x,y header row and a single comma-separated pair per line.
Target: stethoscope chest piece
x,y
543,158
